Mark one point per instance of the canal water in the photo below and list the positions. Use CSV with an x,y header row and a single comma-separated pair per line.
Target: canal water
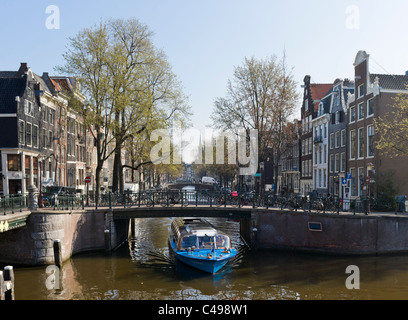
x,y
144,269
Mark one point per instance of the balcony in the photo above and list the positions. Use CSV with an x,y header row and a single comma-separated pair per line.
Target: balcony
x,y
318,139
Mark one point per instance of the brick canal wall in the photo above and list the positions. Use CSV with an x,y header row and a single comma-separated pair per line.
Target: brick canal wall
x,y
78,231
345,234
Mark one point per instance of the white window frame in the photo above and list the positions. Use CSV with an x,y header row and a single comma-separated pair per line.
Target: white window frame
x,y
351,145
368,104
359,156
369,128
337,138
359,89
29,108
36,145
343,138
355,114
331,140
343,161
29,143
331,163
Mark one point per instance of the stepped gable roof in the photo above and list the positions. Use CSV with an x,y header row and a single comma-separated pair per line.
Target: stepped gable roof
x,y
391,81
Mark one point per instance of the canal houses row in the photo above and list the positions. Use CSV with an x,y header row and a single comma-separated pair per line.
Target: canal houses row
x,y
39,133
337,138
43,142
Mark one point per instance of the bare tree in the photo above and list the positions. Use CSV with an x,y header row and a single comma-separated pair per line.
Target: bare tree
x,y
262,96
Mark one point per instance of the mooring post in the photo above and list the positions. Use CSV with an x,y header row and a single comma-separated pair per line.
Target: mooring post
x,y
57,253
132,227
108,245
8,277
2,288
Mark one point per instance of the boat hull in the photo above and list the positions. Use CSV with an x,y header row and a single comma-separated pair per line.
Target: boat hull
x,y
205,260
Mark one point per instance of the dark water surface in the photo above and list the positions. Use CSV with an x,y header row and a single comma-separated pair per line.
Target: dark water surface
x,y
145,270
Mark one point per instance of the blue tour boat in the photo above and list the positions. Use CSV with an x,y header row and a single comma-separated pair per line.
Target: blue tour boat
x,y
198,244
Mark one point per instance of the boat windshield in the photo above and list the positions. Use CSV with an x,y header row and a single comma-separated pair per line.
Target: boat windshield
x,y
219,241
189,241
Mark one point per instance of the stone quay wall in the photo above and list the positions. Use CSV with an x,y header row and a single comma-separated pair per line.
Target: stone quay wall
x,y
78,231
333,234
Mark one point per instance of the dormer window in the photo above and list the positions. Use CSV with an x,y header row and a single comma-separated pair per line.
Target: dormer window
x,y
320,108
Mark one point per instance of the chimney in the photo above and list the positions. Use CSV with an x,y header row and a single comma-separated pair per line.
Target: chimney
x,y
22,70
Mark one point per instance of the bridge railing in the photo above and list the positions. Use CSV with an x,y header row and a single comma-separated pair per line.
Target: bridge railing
x,y
13,203
191,198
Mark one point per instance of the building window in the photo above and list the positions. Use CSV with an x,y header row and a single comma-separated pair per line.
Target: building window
x,y
353,144
361,90
51,140
14,162
28,108
320,178
370,107
361,143
21,132
353,182
35,136
337,162
337,141
331,164
320,155
361,111
352,114
361,180
343,137
44,138
370,141
29,92
343,162
51,115
331,140
28,134
44,113
337,117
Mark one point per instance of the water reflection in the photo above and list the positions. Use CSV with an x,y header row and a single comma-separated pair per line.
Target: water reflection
x,y
146,270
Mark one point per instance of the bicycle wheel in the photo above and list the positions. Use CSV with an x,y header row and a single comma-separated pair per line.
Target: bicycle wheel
x,y
218,201
148,202
184,202
235,201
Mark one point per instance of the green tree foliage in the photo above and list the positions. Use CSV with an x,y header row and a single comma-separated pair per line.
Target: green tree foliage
x,y
130,89
391,129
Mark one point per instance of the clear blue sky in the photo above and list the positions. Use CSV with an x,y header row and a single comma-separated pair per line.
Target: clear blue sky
x,y
204,40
